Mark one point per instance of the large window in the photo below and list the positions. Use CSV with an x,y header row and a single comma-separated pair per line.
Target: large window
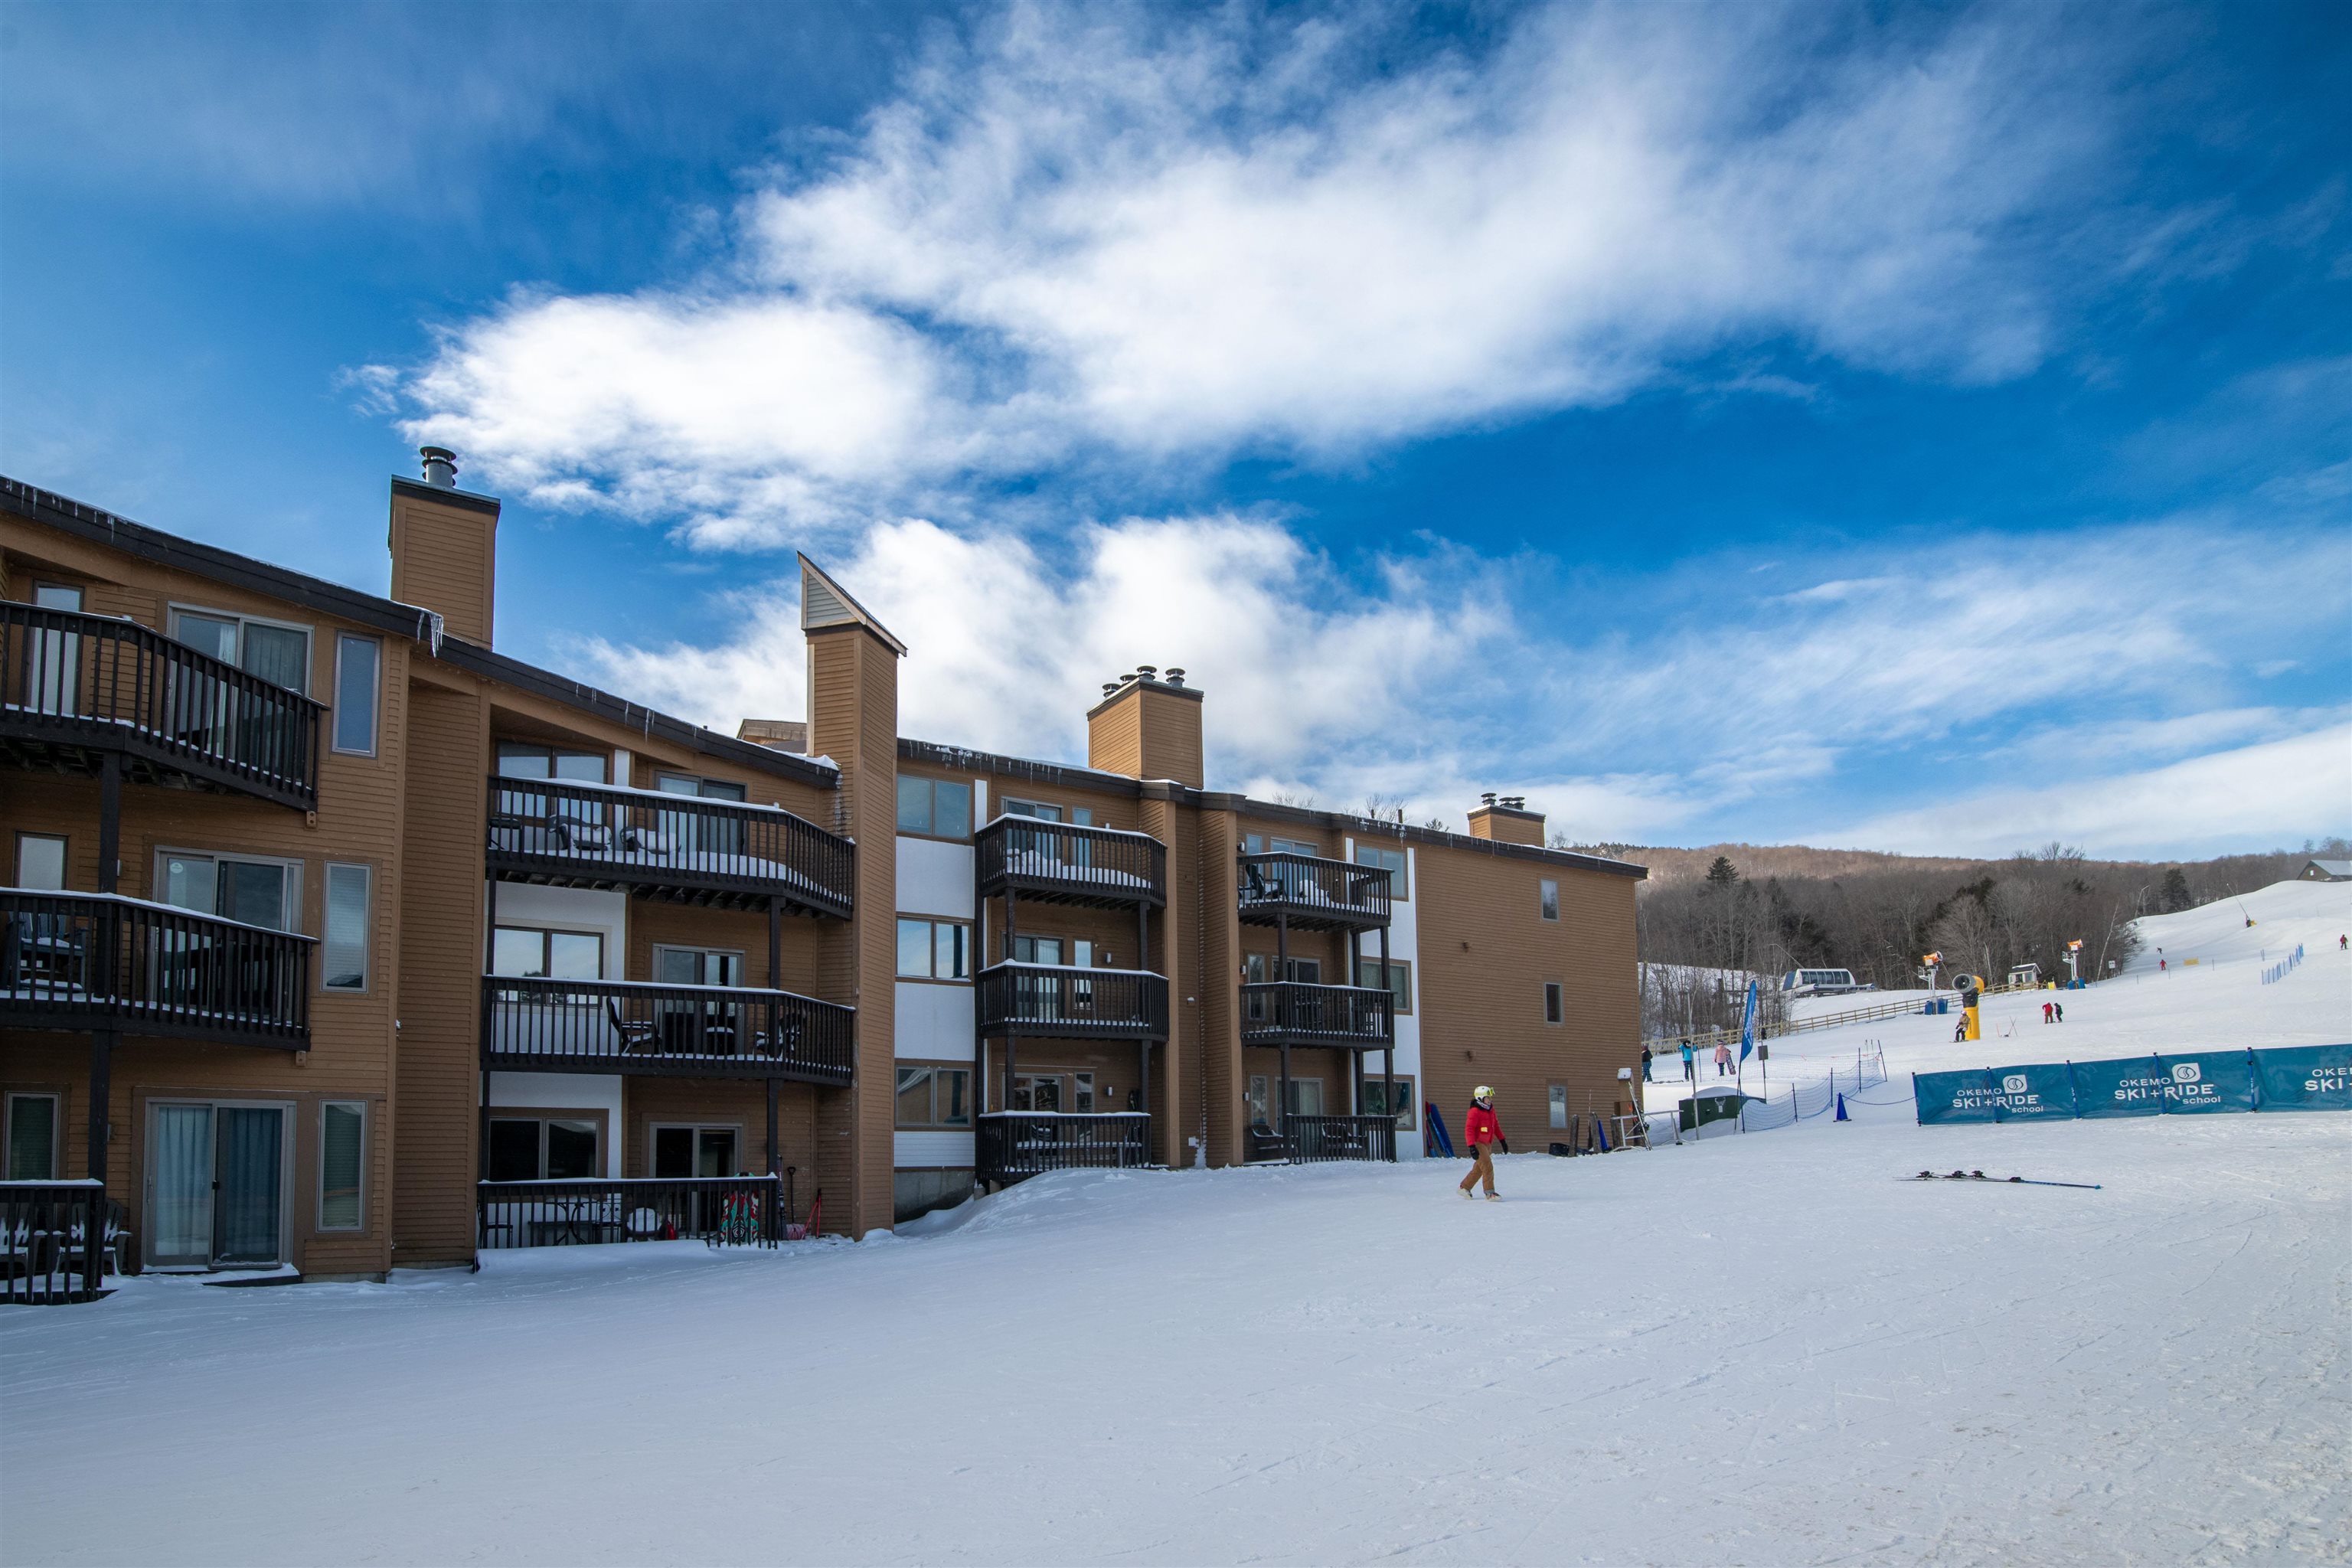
x,y
530,953
698,966
934,950
521,760
1368,973
358,666
934,808
1555,1008
544,1149
345,951
278,653
1547,899
1055,1092
238,888
1558,1099
41,862
33,1137
1045,811
342,1163
1392,861
1371,1095
1269,843
934,1097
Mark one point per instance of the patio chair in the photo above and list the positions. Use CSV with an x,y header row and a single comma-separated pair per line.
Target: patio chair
x,y
650,842
1260,889
637,1035
583,838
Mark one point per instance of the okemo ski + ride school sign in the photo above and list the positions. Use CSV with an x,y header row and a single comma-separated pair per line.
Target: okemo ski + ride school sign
x,y
2297,1077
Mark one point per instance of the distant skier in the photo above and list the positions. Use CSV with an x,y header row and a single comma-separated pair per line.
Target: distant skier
x,y
2060,1007
1722,1060
2159,966
1690,1066
1482,1131
1645,1064
2342,942
1961,1031
2046,1006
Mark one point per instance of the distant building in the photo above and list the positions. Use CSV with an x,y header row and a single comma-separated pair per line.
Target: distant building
x,y
2325,871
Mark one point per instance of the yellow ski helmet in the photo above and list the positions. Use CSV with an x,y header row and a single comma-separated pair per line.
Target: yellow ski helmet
x,y
1482,1092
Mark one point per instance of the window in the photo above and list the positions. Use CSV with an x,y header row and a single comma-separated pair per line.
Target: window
x,y
1038,1093
53,658
33,1137
519,760
1049,949
343,1147
258,892
701,789
1082,1093
934,950
1370,1095
278,653
681,1152
1392,861
1559,1105
345,951
934,1097
1547,899
544,1149
357,663
698,966
936,808
1552,1004
1368,973
527,953
1263,844
1035,809
41,862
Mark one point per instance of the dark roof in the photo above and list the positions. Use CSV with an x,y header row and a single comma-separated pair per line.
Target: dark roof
x,y
170,550
964,759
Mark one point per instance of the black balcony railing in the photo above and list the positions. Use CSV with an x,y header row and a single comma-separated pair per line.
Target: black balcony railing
x,y
58,1241
1295,1012
83,961
725,1211
1312,892
74,687
1012,1144
1316,1138
718,851
1073,1003
1056,862
678,1031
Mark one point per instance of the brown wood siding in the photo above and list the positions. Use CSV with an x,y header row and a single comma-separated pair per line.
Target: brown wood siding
x,y
1484,956
711,1102
439,1083
1219,1080
445,557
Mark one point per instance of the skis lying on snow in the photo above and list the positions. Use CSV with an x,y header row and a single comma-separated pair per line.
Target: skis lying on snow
x,y
1980,1176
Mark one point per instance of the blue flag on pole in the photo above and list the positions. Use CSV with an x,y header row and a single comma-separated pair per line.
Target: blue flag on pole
x,y
1748,1023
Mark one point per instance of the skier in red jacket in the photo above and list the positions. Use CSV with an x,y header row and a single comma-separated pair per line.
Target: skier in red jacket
x,y
1482,1131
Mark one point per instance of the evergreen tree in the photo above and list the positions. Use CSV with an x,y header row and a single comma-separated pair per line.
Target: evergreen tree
x,y
2176,891
1723,873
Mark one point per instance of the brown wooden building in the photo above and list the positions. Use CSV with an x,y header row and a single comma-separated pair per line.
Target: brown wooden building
x,y
333,939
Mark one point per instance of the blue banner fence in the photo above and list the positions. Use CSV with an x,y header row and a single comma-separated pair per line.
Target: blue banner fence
x,y
2283,967
2291,1077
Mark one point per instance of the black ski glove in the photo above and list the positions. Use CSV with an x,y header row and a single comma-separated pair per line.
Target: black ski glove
x,y
1504,1144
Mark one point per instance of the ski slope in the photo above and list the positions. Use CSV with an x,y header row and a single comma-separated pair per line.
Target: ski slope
x,y
2216,1004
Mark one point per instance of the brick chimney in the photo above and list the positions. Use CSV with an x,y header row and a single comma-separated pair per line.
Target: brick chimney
x,y
1508,820
1147,726
444,547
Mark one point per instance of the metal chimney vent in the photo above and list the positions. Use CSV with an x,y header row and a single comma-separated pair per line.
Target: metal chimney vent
x,y
440,466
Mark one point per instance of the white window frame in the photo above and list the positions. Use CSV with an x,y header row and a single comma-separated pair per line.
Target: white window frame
x,y
360,1226
367,927
56,1129
296,875
1547,899
173,609
375,700
1400,879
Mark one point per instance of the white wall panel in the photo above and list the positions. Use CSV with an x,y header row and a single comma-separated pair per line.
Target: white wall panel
x,y
565,1091
934,878
933,1023
920,1150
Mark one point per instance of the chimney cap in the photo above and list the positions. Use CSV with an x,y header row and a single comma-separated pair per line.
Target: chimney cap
x,y
1487,796
1146,671
440,466
1175,675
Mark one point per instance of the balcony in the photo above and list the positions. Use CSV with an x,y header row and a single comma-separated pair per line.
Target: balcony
x,y
75,687
666,1031
1057,863
1311,1140
1310,893
681,847
1295,1012
724,1211
1067,1004
95,960
1009,1146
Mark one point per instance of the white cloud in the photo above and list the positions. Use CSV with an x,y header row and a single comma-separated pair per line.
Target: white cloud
x,y
1096,234
2249,797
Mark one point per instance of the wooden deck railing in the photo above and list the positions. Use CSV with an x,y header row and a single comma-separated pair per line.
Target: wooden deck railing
x,y
725,1211
79,960
535,1024
1073,1003
1311,890
1309,1015
1012,1144
565,832
1061,861
57,1241
70,679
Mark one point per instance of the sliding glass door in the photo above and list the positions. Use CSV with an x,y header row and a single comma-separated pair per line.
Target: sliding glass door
x,y
215,1185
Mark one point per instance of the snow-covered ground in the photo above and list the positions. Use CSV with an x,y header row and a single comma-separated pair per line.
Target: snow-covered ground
x,y
2215,1004
1770,1349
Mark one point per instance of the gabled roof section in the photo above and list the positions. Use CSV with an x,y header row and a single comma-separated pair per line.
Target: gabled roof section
x,y
825,603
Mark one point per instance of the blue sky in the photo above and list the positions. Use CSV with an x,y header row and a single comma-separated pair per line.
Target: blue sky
x,y
1921,429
